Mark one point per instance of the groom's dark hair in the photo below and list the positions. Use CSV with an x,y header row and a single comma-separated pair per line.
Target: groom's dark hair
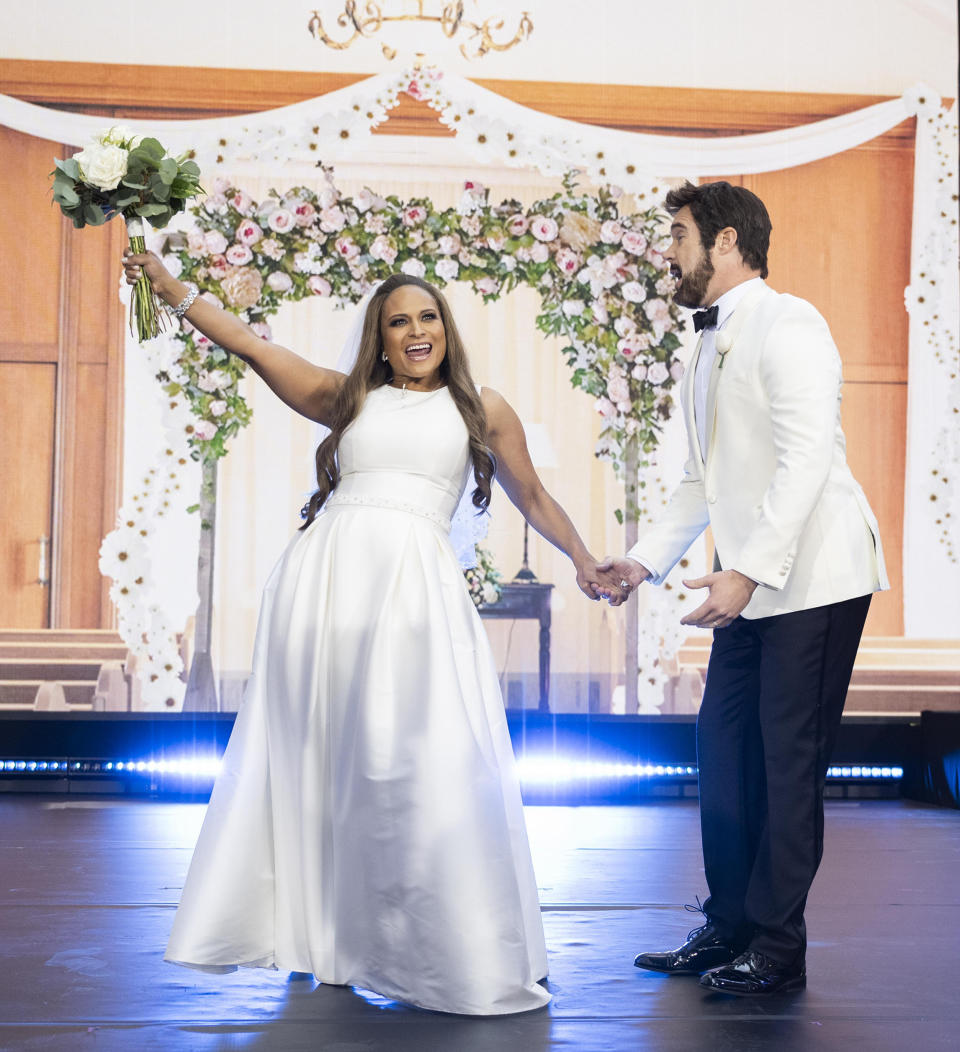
x,y
718,205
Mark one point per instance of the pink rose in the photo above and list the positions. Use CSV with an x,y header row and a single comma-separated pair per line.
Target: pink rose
x,y
248,233
611,232
304,213
488,286
414,90
605,408
567,260
239,255
241,201
633,344
204,430
217,407
219,267
215,242
634,242
383,248
347,247
544,228
280,220
414,215
319,286
332,220
517,225
280,281
414,267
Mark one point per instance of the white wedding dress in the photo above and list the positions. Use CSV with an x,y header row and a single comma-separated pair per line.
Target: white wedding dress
x,y
367,825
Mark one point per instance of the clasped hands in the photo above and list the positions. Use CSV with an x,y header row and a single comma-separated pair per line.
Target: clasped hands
x,y
728,591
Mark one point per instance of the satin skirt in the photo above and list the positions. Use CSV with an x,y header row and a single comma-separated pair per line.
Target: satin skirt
x,y
367,825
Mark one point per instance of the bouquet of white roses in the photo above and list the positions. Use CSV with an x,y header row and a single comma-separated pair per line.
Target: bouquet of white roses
x,y
124,174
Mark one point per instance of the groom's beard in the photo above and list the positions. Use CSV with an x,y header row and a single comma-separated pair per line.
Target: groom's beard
x,y
692,290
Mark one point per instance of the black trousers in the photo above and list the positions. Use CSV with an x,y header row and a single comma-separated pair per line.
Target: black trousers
x,y
768,722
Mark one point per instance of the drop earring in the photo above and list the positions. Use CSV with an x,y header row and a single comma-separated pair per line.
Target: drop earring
x,y
384,355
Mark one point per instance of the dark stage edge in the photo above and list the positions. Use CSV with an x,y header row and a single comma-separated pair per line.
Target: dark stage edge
x,y
88,888
863,739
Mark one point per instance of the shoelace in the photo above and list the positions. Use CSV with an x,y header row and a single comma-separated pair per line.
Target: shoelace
x,y
697,909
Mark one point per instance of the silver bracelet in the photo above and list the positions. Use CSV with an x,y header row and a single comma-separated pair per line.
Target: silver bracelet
x,y
187,302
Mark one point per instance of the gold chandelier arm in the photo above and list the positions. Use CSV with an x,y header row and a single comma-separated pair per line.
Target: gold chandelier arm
x,y
364,24
487,43
451,18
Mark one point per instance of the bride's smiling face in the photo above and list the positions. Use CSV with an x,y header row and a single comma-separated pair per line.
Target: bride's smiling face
x,y
413,335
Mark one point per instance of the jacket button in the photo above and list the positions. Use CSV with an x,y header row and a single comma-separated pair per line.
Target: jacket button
x,y
711,500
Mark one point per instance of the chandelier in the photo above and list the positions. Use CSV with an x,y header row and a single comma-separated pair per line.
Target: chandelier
x,y
366,19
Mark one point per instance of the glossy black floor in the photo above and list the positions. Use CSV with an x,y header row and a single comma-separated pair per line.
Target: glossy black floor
x,y
87,890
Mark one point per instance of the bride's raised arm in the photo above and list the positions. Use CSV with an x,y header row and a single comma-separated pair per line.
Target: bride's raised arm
x,y
307,388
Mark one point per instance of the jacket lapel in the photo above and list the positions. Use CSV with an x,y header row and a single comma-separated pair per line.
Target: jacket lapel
x,y
731,331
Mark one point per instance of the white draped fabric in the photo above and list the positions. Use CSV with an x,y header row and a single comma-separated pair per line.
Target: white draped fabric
x,y
331,126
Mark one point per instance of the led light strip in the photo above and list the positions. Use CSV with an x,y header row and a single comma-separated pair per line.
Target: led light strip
x,y
533,770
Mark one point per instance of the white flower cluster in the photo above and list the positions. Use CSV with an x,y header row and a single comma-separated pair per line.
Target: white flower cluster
x,y
125,553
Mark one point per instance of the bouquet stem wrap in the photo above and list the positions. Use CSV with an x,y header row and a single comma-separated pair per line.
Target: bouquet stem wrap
x,y
146,311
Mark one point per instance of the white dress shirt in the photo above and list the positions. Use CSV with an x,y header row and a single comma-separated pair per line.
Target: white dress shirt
x,y
725,305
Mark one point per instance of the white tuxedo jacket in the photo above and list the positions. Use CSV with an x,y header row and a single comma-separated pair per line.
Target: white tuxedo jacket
x,y
775,489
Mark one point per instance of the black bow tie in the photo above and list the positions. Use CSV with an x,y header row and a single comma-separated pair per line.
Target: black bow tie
x,y
705,319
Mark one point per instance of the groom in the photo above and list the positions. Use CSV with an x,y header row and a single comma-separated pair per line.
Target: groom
x,y
797,558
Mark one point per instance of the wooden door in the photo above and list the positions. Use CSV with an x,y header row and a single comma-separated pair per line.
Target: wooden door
x,y
27,406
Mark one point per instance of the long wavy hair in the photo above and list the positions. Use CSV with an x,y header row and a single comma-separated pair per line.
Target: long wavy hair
x,y
371,371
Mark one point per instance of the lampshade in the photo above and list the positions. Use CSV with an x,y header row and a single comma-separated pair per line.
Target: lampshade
x,y
541,448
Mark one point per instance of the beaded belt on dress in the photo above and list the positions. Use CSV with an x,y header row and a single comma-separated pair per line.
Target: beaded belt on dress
x,y
348,499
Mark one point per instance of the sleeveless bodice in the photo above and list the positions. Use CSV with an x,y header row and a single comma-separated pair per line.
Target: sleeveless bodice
x,y
407,450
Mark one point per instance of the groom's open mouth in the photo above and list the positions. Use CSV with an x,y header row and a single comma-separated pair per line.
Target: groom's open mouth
x,y
418,352
675,272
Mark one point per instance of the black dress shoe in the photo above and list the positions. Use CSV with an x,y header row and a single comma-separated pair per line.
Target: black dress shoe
x,y
704,948
753,974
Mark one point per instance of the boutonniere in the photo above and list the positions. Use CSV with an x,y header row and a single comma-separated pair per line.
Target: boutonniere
x,y
724,343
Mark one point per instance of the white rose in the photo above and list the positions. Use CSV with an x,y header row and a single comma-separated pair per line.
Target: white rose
x,y
218,407
657,372
280,281
447,269
633,292
102,165
413,267
489,594
572,308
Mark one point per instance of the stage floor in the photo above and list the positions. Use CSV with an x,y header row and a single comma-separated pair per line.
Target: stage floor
x,y
88,888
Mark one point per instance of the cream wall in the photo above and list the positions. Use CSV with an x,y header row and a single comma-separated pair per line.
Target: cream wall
x,y
859,46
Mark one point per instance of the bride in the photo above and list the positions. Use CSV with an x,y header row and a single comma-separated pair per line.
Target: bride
x,y
367,825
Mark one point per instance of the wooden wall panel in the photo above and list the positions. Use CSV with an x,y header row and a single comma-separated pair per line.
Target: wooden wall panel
x,y
875,423
27,400
30,253
841,239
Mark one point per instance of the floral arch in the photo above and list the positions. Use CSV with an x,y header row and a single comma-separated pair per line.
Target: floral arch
x,y
595,260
